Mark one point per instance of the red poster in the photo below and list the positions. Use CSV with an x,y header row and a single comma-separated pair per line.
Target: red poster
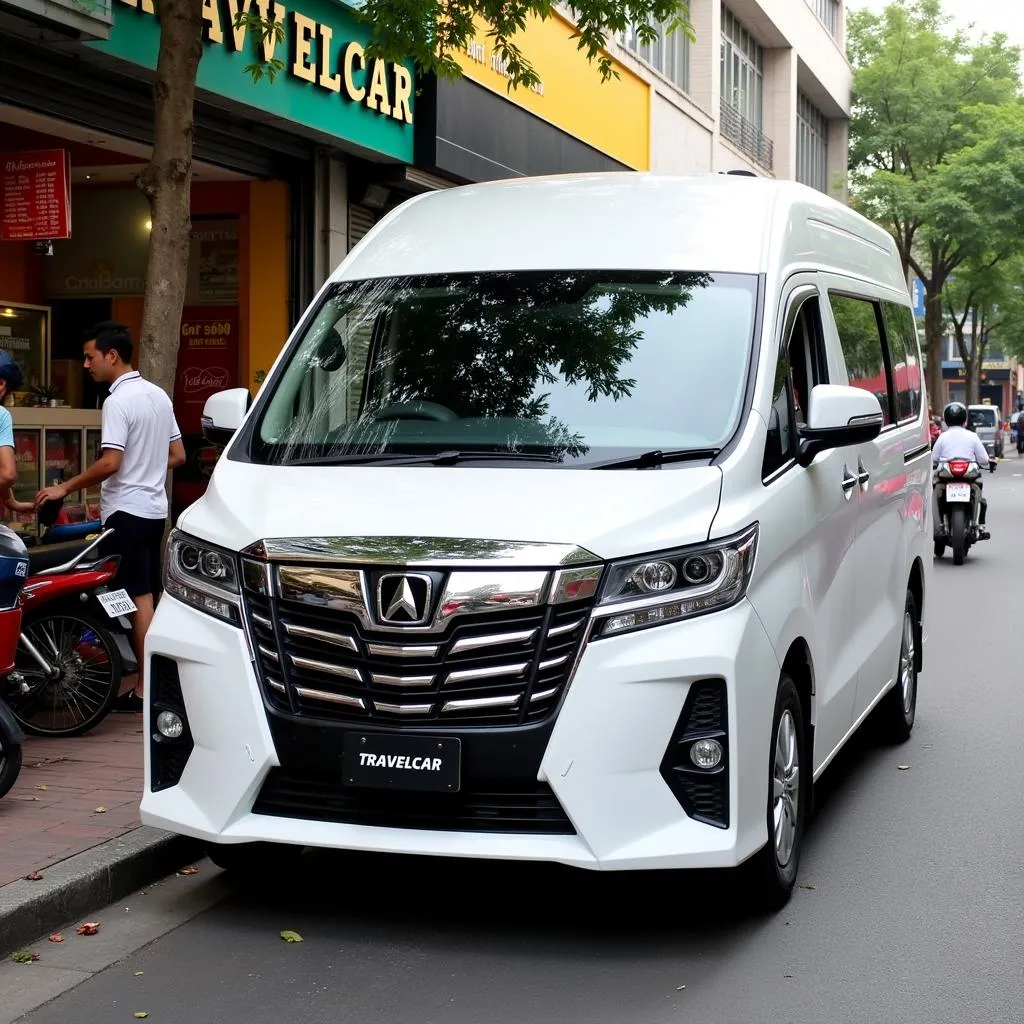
x,y
35,189
207,361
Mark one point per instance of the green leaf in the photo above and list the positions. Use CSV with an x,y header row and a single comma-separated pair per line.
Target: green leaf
x,y
24,958
290,936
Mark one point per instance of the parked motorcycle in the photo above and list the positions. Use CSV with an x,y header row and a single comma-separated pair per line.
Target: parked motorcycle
x,y
13,572
73,648
958,499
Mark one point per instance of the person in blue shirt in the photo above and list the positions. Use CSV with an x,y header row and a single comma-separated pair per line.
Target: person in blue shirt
x,y
10,380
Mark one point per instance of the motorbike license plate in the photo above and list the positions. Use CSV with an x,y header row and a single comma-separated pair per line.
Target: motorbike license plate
x,y
958,492
116,603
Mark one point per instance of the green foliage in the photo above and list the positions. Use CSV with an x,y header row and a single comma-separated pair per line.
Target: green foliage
x,y
431,32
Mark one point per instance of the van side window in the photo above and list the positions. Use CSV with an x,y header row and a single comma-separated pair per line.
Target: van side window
x,y
901,333
858,322
799,368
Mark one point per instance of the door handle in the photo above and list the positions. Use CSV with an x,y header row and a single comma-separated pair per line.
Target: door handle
x,y
863,476
849,483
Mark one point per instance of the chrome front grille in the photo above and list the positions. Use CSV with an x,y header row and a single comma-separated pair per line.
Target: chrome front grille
x,y
506,669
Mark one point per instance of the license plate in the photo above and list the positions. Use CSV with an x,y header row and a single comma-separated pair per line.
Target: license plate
x,y
116,603
958,492
385,761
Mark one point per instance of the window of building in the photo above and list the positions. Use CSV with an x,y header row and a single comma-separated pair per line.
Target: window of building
x,y
669,54
811,144
742,113
860,334
830,14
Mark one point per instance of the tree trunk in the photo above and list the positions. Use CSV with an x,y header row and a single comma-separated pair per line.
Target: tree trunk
x,y
933,339
167,184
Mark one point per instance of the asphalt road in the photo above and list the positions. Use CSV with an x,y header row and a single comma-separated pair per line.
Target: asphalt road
x,y
910,910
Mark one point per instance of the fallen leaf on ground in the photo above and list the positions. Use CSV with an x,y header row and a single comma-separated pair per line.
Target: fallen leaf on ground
x,y
289,936
139,974
807,885
190,870
679,988
140,1014
56,937
903,767
24,958
35,876
42,785
101,810
89,928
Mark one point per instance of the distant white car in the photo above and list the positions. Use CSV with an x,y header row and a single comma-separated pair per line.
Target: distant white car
x,y
567,527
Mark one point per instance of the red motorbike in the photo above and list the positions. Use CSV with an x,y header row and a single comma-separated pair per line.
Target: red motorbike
x,y
73,641
13,573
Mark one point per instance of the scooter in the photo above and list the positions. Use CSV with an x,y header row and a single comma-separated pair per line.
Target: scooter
x,y
958,500
13,573
73,647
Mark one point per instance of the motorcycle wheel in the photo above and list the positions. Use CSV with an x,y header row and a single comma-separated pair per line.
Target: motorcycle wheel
x,y
958,533
89,683
10,760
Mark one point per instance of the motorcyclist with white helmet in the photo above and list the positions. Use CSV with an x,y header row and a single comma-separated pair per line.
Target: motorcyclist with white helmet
x,y
957,442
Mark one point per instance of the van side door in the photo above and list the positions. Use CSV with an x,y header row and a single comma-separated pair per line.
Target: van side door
x,y
883,487
810,519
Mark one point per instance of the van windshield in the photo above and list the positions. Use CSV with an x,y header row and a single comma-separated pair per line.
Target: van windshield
x,y
562,366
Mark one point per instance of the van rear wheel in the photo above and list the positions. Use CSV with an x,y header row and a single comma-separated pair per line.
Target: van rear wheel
x,y
772,871
898,708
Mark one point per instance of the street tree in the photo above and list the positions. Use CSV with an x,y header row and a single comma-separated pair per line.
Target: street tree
x,y
428,32
922,96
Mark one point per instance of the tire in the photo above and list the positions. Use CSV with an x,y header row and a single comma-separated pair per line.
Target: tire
x,y
10,760
958,533
898,708
41,712
940,548
253,860
772,871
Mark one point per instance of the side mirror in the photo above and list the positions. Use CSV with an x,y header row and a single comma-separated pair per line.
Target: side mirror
x,y
223,415
840,417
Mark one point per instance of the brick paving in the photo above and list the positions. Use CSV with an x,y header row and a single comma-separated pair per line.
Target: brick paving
x,y
51,813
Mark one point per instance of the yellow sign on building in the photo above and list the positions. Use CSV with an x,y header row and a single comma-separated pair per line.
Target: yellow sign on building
x,y
613,116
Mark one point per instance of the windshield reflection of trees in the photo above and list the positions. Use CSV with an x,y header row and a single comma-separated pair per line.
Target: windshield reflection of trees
x,y
493,347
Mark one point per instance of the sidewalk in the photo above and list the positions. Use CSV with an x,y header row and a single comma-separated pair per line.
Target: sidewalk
x,y
52,811
70,837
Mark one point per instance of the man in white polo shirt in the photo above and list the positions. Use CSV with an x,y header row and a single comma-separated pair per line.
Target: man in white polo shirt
x,y
140,443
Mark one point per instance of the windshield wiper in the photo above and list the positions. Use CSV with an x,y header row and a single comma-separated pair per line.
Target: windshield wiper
x,y
445,458
656,459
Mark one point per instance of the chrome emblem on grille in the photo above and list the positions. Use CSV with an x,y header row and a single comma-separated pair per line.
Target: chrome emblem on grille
x,y
403,599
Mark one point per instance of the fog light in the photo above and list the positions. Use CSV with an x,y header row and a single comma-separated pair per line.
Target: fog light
x,y
706,753
169,725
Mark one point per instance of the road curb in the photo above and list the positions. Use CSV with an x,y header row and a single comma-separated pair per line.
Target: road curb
x,y
90,880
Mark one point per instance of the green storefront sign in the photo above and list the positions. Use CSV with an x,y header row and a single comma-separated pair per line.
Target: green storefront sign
x,y
327,84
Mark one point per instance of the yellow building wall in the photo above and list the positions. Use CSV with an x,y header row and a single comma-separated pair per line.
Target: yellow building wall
x,y
266,312
613,116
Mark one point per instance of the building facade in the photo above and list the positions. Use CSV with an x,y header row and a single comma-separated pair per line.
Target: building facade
x,y
764,87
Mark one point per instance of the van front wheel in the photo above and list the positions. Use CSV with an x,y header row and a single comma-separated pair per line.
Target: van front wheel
x,y
772,871
250,860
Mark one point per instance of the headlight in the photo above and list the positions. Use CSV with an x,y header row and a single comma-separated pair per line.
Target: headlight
x,y
675,585
203,576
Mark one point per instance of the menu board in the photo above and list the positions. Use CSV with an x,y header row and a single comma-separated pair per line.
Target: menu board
x,y
207,362
35,188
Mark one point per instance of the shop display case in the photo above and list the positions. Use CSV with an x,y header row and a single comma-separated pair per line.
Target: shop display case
x,y
25,336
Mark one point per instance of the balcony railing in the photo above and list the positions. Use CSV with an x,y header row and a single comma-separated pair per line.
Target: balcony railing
x,y
748,137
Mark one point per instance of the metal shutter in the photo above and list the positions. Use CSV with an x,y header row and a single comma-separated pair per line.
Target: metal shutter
x,y
360,220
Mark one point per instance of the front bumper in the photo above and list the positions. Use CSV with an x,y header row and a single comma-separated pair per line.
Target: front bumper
x,y
600,757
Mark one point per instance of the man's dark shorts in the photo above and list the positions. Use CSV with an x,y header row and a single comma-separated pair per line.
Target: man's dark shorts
x,y
139,542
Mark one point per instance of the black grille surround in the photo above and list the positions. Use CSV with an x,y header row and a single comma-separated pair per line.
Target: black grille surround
x,y
517,809
702,793
487,670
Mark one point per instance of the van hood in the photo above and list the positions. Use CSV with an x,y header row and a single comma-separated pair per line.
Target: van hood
x,y
611,513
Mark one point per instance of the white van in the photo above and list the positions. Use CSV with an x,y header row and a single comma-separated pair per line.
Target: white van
x,y
582,519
